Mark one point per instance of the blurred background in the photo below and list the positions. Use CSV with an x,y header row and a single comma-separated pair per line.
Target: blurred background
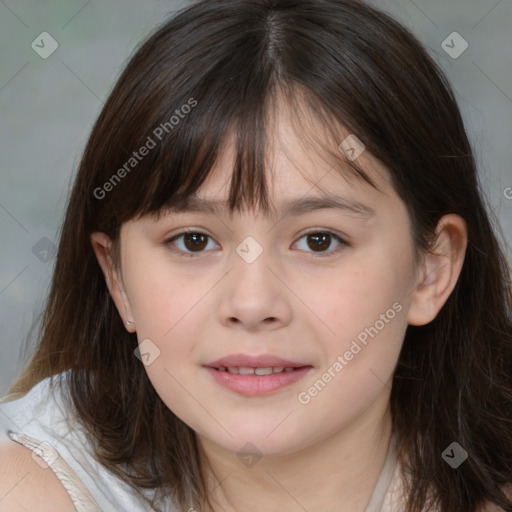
x,y
59,60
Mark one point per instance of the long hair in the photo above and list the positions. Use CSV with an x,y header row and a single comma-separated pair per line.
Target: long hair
x,y
217,68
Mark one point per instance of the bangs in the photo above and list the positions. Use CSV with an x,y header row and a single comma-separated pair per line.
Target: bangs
x,y
187,159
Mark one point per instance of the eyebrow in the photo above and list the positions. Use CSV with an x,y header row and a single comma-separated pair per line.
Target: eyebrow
x,y
294,207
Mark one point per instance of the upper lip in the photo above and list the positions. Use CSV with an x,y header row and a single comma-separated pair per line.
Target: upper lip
x,y
247,361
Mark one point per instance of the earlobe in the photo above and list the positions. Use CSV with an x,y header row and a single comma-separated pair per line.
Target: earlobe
x,y
101,244
440,270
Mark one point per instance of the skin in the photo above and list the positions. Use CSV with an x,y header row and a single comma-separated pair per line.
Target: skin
x,y
290,302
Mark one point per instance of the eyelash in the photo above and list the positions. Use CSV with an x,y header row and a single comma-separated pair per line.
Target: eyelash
x,y
342,242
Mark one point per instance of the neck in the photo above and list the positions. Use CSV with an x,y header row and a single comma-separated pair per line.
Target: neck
x,y
336,474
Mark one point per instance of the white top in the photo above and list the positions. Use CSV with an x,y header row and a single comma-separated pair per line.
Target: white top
x,y
41,421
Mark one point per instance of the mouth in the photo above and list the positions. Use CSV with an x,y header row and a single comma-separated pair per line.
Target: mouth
x,y
257,381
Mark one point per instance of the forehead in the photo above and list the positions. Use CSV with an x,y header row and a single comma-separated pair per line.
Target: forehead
x,y
301,177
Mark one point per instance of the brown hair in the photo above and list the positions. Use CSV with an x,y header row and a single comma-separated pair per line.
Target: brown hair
x,y
351,65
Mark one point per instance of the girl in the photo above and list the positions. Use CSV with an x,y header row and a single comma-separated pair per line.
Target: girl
x,y
277,286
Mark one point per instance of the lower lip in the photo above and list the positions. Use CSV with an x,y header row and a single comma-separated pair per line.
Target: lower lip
x,y
256,385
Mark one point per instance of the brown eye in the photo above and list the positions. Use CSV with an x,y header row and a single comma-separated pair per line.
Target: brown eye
x,y
319,242
195,241
188,243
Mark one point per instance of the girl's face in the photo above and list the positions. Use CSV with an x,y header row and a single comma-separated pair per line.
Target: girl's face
x,y
261,287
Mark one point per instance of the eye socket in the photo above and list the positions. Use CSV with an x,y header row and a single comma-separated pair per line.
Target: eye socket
x,y
199,240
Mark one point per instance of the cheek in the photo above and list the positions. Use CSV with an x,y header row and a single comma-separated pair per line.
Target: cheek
x,y
367,310
170,311
168,308
369,321
364,291
159,294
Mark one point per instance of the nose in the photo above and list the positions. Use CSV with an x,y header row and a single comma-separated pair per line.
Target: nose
x,y
253,295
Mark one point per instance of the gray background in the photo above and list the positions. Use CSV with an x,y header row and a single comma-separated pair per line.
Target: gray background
x,y
48,106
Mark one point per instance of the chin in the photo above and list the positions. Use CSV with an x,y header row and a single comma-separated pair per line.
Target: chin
x,y
258,441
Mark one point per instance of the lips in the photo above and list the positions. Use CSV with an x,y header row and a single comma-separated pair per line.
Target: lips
x,y
256,375
255,385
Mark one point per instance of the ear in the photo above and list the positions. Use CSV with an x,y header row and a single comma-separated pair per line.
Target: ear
x,y
101,244
440,270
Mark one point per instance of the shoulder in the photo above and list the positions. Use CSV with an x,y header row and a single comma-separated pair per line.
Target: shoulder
x,y
27,485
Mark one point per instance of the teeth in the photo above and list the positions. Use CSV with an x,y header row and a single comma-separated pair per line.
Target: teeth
x,y
244,370
263,371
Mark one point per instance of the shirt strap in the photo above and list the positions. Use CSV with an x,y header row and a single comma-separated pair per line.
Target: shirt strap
x,y
78,492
